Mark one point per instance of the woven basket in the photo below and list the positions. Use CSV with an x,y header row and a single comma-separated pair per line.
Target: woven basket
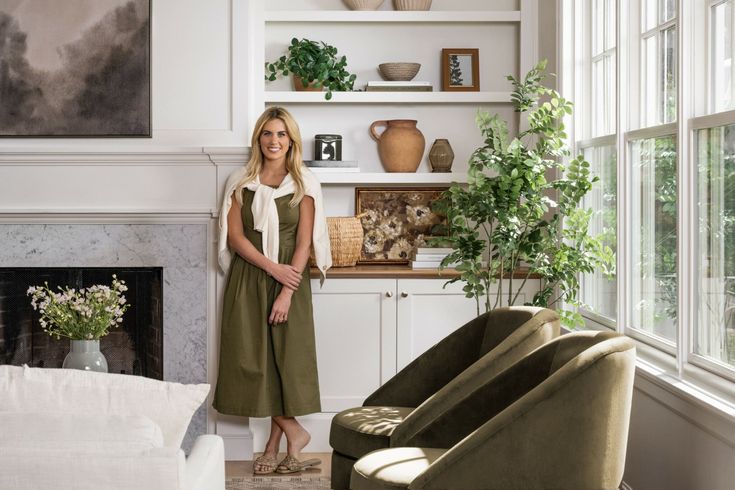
x,y
345,237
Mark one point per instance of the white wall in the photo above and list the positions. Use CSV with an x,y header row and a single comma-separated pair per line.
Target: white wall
x,y
199,52
676,443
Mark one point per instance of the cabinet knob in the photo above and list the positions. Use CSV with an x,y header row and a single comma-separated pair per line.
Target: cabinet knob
x,y
389,294
404,294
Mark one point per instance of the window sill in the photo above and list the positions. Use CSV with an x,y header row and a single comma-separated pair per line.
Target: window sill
x,y
703,399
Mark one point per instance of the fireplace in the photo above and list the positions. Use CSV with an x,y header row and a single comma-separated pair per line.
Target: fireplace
x,y
135,347
178,249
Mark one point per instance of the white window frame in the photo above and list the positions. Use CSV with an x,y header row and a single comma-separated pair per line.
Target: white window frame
x,y
676,366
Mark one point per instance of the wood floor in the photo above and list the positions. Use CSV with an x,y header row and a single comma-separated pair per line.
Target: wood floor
x,y
245,468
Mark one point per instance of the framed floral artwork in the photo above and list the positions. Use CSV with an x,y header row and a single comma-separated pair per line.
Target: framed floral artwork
x,y
395,221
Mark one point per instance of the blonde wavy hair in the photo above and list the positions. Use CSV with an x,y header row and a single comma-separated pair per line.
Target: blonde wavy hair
x,y
293,155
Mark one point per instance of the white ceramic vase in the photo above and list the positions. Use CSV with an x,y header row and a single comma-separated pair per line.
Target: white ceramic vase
x,y
85,355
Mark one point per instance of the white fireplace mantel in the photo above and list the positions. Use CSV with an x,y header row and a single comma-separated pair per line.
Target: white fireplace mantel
x,y
177,180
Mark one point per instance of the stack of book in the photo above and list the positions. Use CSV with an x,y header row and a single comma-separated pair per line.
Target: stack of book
x,y
430,257
410,86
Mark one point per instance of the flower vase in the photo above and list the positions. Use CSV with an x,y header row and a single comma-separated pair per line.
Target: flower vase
x,y
441,156
85,355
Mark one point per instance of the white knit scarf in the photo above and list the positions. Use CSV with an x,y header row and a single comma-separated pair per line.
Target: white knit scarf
x,y
265,217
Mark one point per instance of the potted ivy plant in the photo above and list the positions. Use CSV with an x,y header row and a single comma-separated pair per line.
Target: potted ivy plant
x,y
510,216
313,64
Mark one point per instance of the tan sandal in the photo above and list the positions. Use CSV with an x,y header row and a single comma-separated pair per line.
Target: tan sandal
x,y
267,463
293,465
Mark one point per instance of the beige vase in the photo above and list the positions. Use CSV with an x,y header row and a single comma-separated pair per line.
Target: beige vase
x,y
441,156
400,146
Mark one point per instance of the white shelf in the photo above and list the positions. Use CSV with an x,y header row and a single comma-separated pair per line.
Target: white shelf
x,y
405,178
389,97
480,16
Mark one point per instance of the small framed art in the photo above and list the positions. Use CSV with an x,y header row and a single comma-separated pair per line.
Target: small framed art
x,y
395,221
461,69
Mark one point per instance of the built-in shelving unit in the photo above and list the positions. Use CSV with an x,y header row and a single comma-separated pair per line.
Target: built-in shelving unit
x,y
388,97
483,16
368,38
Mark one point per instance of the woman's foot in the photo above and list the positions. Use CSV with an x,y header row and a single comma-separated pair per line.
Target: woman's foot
x,y
265,464
297,440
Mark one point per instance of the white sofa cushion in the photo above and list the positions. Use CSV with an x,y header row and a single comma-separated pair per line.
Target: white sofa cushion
x,y
162,468
169,405
98,433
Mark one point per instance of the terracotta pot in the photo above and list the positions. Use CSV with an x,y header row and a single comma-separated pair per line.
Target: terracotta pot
x,y
298,84
441,156
400,146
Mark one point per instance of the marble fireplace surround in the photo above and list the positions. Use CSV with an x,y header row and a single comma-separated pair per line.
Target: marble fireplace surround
x,y
128,207
181,249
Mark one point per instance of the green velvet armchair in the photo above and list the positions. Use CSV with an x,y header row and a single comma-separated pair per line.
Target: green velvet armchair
x,y
488,344
557,419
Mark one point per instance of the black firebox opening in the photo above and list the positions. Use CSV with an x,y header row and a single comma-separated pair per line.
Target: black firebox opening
x,y
136,347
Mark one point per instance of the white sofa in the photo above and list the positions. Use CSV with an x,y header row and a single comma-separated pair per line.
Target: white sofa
x,y
64,429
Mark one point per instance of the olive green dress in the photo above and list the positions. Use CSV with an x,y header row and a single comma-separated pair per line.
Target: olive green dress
x,y
266,370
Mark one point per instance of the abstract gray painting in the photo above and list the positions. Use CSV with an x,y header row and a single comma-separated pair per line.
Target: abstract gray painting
x,y
75,68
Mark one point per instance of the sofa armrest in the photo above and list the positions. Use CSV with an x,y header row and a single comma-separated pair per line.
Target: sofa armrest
x,y
432,369
205,466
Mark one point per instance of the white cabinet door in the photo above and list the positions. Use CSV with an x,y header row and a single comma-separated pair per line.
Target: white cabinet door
x,y
355,324
427,313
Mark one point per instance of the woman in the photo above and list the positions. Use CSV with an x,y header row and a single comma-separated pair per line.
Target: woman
x,y
271,216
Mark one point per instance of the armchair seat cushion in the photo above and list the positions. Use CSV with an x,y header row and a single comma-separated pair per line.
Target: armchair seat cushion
x,y
392,468
357,431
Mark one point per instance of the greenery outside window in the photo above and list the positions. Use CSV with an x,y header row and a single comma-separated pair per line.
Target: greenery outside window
x,y
714,335
599,292
658,62
653,248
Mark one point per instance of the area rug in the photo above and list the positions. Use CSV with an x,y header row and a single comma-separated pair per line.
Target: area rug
x,y
278,483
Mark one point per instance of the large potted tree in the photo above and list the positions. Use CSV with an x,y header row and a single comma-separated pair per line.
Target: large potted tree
x,y
511,216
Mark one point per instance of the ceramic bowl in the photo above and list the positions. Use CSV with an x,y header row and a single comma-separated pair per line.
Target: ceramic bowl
x,y
363,4
412,4
398,71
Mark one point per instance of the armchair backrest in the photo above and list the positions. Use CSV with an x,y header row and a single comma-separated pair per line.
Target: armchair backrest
x,y
564,423
508,333
508,342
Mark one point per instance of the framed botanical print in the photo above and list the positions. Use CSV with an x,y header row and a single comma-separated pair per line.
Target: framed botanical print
x,y
461,69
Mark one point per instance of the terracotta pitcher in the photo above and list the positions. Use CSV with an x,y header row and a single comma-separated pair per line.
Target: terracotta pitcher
x,y
400,146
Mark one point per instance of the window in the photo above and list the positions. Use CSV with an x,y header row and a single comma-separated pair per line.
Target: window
x,y
599,292
722,97
597,121
666,197
602,66
658,62
714,335
653,247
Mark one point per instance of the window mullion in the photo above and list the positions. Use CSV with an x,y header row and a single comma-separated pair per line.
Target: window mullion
x,y
623,189
687,192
